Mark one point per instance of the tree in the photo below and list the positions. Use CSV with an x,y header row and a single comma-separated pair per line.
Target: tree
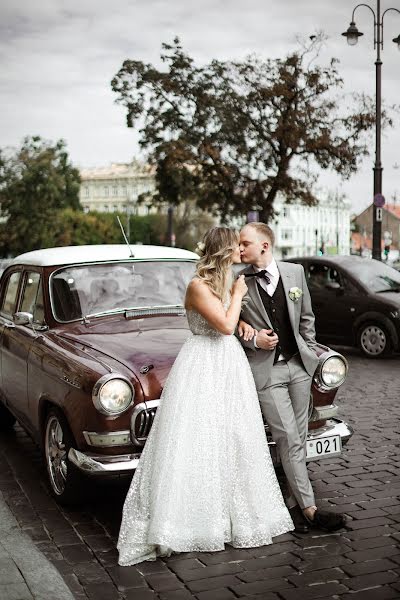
x,y
231,135
36,182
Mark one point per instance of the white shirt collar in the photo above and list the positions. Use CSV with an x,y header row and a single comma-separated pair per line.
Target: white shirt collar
x,y
272,268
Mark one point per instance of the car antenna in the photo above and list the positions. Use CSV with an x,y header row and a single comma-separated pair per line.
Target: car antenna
x,y
125,238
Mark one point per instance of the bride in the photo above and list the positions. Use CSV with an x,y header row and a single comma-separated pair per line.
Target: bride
x,y
205,477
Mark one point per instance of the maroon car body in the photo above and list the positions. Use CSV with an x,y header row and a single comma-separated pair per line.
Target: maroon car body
x,y
87,338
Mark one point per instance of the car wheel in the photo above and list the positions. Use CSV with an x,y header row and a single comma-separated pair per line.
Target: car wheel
x,y
63,477
7,419
374,341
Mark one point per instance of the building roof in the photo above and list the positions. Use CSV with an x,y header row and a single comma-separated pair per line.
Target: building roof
x,y
67,255
118,171
394,209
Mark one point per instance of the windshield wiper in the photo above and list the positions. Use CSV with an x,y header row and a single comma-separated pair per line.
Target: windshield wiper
x,y
125,309
392,289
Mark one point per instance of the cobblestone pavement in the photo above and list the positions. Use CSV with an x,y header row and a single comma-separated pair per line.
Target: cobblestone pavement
x,y
361,562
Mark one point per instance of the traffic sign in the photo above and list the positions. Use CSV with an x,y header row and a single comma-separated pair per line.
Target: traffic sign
x,y
379,215
379,200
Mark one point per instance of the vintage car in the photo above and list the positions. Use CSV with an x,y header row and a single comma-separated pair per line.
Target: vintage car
x,y
87,337
356,302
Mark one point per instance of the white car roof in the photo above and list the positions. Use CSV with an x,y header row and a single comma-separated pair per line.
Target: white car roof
x,y
67,255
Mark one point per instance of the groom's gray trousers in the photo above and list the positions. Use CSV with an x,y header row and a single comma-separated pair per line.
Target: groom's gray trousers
x,y
284,404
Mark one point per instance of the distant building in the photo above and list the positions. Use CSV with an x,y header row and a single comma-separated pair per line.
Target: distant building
x,y
309,230
117,187
362,237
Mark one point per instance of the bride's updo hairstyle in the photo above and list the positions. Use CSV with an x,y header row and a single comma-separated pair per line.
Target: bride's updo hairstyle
x,y
219,243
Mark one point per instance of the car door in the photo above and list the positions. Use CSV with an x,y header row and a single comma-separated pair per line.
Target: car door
x,y
10,285
17,343
336,299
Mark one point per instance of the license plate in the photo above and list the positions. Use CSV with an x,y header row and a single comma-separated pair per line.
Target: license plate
x,y
324,446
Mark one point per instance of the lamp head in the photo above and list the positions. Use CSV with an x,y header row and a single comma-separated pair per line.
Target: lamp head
x,y
397,41
352,34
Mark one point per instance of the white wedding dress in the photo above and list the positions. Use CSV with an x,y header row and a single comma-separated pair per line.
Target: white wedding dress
x,y
205,477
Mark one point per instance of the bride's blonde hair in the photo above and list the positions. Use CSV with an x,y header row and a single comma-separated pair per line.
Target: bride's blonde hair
x,y
213,266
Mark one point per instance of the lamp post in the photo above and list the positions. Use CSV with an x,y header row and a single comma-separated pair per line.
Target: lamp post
x,y
352,34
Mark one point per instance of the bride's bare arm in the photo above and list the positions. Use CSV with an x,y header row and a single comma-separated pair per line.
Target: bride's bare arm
x,y
199,297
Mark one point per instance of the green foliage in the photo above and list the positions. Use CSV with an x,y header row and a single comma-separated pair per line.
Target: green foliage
x,y
231,135
36,182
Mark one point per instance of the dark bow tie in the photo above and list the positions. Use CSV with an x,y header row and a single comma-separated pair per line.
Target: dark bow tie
x,y
262,274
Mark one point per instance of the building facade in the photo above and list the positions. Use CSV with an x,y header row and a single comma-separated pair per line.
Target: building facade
x,y
117,188
390,228
310,230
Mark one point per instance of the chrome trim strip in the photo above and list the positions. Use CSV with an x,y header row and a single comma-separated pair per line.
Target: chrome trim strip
x,y
90,435
103,465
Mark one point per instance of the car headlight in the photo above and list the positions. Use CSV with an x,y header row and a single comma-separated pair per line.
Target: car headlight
x,y
112,395
333,371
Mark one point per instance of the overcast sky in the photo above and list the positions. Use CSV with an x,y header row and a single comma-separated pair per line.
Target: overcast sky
x,y
57,59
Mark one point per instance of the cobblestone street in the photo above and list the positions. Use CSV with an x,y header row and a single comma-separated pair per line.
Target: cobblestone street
x,y
361,562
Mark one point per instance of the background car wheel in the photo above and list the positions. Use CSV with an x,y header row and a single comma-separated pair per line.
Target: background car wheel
x,y
374,341
65,481
7,419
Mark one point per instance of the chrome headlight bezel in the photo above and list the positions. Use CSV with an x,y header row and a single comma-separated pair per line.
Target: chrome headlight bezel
x,y
100,387
321,380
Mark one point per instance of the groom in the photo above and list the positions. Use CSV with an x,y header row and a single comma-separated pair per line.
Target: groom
x,y
283,360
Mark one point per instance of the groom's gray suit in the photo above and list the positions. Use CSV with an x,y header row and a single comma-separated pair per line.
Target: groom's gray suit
x,y
284,386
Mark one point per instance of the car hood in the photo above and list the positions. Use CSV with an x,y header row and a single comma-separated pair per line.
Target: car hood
x,y
392,298
146,346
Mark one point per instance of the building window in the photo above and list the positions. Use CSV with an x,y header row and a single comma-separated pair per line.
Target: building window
x,y
106,190
285,212
86,191
124,190
105,208
115,191
115,208
86,209
286,234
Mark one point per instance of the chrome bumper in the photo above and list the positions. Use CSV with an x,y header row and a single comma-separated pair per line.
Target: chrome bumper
x,y
331,427
103,465
126,463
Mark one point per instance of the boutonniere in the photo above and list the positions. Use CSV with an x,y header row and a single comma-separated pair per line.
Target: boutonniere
x,y
295,294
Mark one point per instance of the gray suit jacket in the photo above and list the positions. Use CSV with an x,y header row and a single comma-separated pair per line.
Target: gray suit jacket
x,y
301,317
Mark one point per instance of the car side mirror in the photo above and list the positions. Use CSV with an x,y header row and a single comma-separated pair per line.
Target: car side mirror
x,y
23,318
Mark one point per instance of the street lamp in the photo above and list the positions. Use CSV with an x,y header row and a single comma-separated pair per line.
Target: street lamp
x,y
352,34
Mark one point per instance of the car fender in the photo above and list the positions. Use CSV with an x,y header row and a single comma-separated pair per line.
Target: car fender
x,y
377,318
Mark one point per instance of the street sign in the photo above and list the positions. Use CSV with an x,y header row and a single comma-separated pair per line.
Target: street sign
x,y
379,215
379,200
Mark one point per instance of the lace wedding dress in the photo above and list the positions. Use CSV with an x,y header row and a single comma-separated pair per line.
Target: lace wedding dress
x,y
205,477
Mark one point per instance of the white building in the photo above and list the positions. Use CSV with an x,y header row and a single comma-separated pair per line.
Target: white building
x,y
303,230
117,187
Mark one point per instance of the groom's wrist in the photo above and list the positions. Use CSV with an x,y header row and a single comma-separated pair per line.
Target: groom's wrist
x,y
255,341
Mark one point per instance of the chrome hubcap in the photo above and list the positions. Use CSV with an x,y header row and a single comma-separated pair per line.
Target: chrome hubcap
x,y
373,340
56,455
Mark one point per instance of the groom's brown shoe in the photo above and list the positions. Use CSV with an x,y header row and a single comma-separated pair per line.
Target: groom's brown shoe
x,y
299,521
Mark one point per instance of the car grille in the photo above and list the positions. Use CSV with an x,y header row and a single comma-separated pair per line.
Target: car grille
x,y
141,421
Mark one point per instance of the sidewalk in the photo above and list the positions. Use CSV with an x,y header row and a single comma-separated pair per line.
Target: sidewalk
x,y
25,573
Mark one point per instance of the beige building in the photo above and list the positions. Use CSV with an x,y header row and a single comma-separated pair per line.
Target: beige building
x,y
390,228
117,188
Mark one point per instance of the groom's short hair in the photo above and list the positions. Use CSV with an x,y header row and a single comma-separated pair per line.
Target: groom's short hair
x,y
263,230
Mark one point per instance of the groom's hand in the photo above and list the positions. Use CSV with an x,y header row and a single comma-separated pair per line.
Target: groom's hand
x,y
266,339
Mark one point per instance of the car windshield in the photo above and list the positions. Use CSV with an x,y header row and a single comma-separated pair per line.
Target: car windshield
x,y
376,276
77,291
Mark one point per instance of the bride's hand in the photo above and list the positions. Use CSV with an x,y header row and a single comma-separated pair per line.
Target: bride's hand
x,y
246,331
239,287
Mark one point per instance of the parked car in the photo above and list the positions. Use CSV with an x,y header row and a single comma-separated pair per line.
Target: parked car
x,y
87,338
356,302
